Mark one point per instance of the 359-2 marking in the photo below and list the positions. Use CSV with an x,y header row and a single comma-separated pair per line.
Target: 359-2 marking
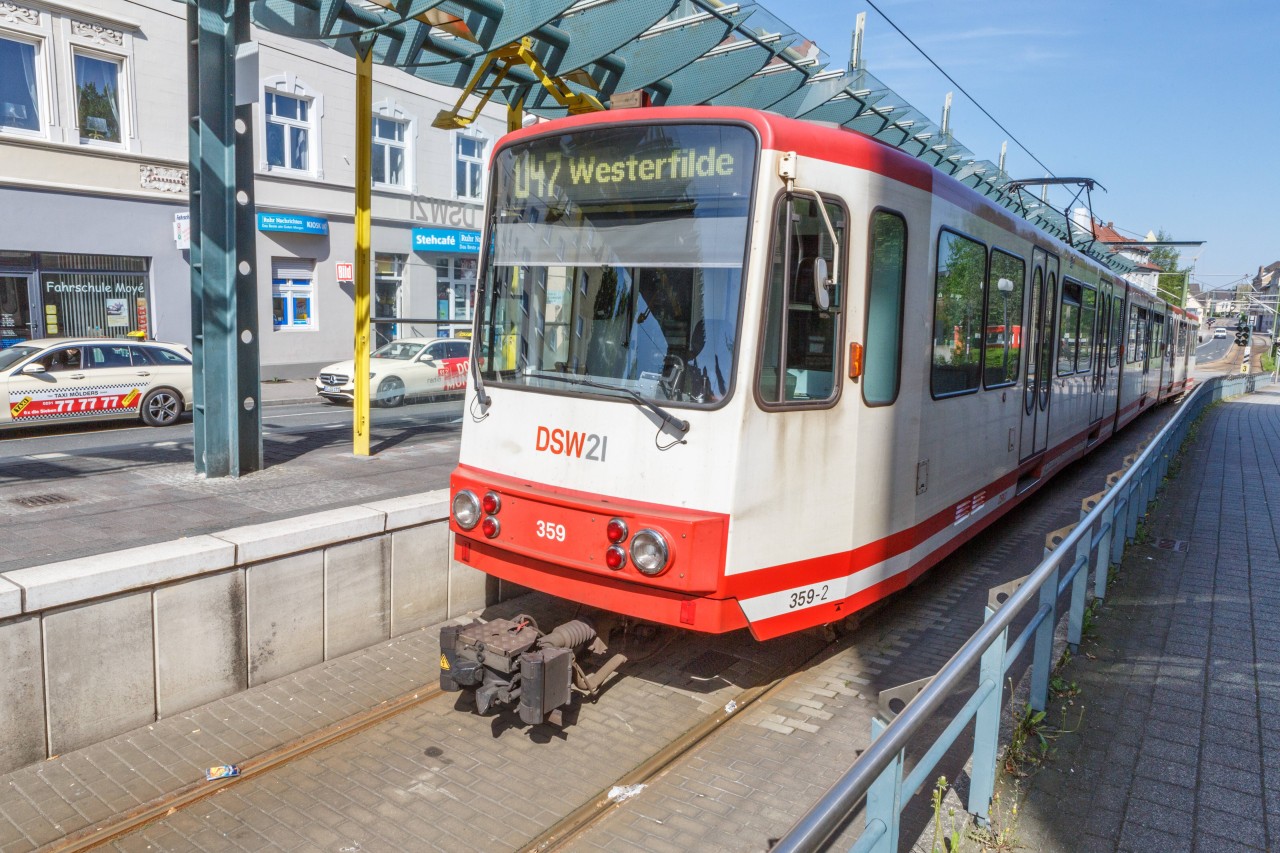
x,y
805,597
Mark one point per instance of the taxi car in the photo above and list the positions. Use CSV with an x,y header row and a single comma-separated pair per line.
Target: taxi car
x,y
81,379
409,367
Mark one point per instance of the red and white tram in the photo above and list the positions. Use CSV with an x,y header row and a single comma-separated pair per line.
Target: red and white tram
x,y
737,370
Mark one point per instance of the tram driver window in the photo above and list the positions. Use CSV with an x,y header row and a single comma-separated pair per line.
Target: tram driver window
x,y
958,326
800,357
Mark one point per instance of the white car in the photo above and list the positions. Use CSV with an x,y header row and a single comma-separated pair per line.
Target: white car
x,y
1220,332
73,379
409,367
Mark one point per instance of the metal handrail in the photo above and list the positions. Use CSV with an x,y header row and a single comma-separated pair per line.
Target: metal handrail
x,y
885,754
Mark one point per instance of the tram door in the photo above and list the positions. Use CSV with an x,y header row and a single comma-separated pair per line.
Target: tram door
x,y
1038,384
1101,346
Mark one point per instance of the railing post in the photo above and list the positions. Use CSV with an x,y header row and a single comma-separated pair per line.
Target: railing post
x,y
1042,660
1102,562
986,728
1120,529
1079,590
1131,517
884,798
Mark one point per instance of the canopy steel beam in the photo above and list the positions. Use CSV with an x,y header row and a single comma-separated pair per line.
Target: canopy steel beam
x,y
224,308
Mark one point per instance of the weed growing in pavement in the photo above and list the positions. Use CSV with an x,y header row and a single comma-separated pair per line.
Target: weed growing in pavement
x,y
1089,624
1143,535
944,840
1000,833
952,834
1028,743
1063,689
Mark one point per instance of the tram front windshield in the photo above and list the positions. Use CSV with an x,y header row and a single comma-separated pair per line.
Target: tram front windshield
x,y
616,260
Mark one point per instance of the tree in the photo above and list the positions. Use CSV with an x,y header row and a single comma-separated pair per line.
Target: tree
x,y
1173,281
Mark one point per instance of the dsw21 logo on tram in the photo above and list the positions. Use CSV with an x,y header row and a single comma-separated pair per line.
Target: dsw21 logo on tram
x,y
567,442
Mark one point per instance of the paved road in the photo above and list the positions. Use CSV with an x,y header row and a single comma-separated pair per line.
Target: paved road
x,y
1213,349
289,416
82,490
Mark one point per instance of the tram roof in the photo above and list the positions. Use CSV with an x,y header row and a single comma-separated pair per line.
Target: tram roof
x,y
682,52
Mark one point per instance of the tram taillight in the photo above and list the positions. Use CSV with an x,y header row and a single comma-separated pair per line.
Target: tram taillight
x,y
616,530
491,503
615,558
491,527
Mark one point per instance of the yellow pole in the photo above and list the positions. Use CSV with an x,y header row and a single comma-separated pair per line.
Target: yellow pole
x,y
364,183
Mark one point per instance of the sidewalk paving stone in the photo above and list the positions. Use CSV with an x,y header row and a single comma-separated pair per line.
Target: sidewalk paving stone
x,y
1205,777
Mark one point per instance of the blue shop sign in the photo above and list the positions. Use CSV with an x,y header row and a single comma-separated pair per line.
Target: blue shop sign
x,y
446,240
292,223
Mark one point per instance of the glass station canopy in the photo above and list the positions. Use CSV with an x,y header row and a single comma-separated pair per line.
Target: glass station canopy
x,y
680,52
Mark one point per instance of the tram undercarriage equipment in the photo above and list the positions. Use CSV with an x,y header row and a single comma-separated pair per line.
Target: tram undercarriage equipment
x,y
507,661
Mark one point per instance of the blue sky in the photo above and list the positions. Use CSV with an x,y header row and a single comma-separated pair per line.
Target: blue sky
x,y
1174,107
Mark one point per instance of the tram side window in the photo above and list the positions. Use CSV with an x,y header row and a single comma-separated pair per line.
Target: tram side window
x,y
884,308
1005,285
1088,314
1117,329
1069,328
958,315
800,358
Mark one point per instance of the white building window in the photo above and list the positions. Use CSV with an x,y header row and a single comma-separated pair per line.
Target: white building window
x,y
20,86
291,115
98,101
293,294
469,152
390,155
288,132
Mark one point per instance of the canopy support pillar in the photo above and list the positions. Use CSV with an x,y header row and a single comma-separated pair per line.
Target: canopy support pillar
x,y
224,309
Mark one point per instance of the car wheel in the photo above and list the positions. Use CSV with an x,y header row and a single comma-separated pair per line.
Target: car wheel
x,y
390,392
161,407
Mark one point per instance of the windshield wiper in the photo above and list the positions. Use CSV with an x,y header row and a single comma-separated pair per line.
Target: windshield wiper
x,y
668,419
476,382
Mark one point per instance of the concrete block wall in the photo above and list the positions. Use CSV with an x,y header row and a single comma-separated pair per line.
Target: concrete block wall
x,y
94,647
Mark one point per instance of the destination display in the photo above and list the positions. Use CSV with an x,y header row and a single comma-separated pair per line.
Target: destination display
x,y
632,163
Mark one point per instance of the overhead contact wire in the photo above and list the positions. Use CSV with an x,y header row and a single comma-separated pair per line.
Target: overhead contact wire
x,y
963,91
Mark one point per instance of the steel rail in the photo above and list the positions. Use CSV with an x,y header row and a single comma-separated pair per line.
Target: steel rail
x,y
595,809
194,792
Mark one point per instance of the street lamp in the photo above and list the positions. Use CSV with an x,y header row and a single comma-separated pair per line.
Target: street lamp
x,y
1005,286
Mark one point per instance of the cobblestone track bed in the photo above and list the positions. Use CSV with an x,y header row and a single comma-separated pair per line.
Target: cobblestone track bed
x,y
440,777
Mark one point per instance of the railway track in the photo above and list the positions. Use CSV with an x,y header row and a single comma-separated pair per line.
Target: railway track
x,y
257,766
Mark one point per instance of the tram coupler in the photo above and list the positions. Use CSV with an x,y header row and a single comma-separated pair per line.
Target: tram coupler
x,y
507,661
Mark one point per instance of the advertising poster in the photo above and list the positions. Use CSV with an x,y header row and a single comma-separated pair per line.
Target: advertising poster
x,y
117,316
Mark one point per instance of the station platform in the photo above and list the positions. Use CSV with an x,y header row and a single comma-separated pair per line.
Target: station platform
x,y
1176,749
1178,744
140,487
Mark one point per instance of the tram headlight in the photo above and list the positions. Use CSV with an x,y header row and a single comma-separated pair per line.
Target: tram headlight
x,y
616,530
466,509
649,552
491,503
491,527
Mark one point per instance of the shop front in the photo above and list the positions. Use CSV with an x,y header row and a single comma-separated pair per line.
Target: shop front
x,y
61,295
453,255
